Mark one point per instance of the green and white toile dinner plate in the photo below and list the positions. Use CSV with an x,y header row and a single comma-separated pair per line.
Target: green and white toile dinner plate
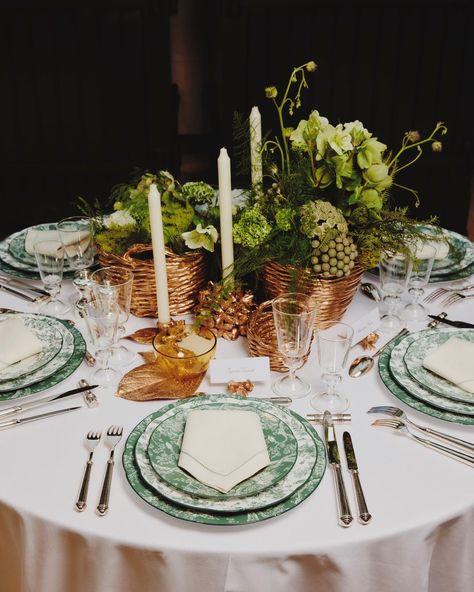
x,y
54,364
409,399
402,376
283,488
234,519
165,445
420,348
51,343
61,374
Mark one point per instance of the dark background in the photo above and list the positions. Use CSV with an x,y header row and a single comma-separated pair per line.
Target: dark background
x,y
92,90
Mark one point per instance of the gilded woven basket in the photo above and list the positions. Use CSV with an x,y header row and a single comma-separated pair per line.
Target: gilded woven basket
x,y
331,295
187,274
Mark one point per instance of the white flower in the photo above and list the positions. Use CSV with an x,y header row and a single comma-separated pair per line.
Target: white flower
x,y
201,237
119,218
357,131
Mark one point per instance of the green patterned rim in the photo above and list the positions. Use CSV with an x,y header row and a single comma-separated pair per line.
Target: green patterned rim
x,y
401,375
73,363
165,444
460,242
403,395
420,348
51,341
52,366
234,519
268,497
29,273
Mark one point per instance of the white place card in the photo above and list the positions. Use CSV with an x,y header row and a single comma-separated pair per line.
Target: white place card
x,y
239,369
365,324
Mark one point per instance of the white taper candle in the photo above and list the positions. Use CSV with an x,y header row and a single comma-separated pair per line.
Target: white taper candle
x,y
255,123
159,258
225,207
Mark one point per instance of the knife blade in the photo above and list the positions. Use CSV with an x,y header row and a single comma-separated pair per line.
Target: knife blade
x,y
345,518
364,515
19,408
21,420
21,283
19,294
459,324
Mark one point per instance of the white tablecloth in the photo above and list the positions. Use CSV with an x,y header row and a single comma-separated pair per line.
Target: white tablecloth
x,y
421,537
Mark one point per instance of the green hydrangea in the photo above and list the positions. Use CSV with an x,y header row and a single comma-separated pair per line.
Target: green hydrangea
x,y
199,192
318,218
284,219
252,229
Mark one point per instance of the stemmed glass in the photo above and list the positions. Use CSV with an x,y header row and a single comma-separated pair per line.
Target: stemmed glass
x,y
49,257
419,278
333,344
115,283
75,233
294,315
101,318
394,272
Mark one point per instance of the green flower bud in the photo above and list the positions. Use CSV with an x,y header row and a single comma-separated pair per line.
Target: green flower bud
x,y
371,198
271,92
437,146
311,66
376,173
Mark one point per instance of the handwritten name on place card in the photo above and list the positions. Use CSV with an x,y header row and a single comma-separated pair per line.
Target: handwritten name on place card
x,y
239,369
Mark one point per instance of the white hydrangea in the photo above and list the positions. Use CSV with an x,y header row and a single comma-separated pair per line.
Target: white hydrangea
x,y
119,218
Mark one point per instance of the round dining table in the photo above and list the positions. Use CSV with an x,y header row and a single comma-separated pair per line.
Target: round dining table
x,y
420,538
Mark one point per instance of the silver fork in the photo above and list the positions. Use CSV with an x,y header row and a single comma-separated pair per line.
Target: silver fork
x,y
452,298
442,291
396,412
396,424
114,435
92,440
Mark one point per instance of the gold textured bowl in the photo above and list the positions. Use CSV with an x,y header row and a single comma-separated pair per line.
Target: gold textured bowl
x,y
185,365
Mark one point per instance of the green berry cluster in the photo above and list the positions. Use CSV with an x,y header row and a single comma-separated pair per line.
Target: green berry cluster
x,y
334,258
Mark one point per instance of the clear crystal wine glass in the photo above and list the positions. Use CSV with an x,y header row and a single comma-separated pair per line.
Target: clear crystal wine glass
x,y
333,344
418,280
101,318
116,283
49,257
394,272
75,233
293,315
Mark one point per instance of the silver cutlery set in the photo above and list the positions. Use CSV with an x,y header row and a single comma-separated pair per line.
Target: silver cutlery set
x,y
23,290
113,437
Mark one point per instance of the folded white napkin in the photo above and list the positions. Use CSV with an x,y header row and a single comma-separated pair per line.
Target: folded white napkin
x,y
221,448
17,342
35,236
422,250
454,361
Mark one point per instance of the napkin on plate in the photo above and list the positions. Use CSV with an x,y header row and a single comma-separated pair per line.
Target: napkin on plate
x,y
34,236
422,250
221,448
17,342
454,361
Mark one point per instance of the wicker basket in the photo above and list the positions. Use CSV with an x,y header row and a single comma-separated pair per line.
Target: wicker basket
x,y
187,275
332,295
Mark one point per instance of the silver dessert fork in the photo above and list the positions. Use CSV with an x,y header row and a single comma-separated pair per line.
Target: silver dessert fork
x,y
455,297
114,435
442,291
396,412
92,440
396,424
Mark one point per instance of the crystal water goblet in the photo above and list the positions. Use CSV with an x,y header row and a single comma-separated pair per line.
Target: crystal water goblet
x,y
75,233
332,344
418,280
115,283
394,272
101,318
49,255
293,315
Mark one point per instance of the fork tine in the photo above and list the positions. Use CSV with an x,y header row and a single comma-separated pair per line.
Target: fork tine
x,y
391,423
436,294
384,408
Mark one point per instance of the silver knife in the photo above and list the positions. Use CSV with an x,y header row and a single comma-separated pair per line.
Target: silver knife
x,y
26,285
20,420
19,294
19,408
364,515
344,510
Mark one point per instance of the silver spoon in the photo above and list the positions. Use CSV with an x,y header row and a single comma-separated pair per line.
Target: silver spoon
x,y
371,290
360,366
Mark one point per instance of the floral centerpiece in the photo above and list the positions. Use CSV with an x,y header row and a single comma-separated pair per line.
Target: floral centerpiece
x,y
326,201
123,238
